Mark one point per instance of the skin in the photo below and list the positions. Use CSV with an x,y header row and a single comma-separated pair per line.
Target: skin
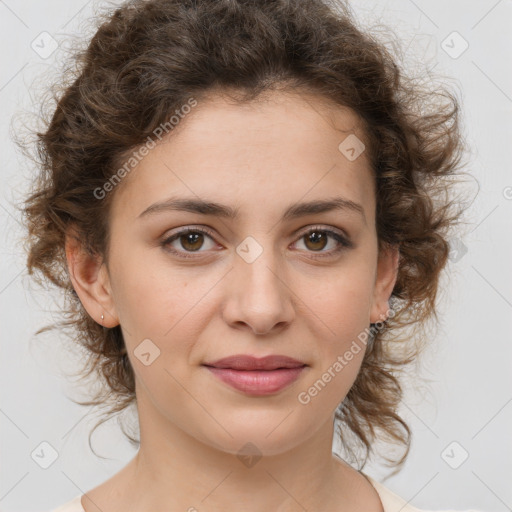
x,y
259,157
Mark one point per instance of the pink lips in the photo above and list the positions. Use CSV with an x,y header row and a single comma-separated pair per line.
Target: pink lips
x,y
257,376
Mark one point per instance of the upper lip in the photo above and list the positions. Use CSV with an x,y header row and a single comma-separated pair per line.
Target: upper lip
x,y
246,362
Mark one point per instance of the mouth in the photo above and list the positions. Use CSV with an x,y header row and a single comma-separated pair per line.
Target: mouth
x,y
247,362
257,376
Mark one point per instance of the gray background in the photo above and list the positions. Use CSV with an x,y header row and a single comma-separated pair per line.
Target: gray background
x,y
468,393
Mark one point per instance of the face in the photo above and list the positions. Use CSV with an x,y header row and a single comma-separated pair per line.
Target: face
x,y
192,285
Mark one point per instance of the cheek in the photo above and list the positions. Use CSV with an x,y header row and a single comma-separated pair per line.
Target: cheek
x,y
338,362
342,305
163,311
339,328
150,297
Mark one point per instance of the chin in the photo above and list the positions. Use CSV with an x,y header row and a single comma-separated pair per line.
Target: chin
x,y
259,439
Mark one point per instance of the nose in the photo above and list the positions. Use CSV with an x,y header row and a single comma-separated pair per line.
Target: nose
x,y
258,296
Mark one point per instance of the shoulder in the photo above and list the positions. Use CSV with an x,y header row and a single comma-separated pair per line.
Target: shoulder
x,y
74,505
391,502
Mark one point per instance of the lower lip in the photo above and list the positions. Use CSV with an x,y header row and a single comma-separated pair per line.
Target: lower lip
x,y
258,382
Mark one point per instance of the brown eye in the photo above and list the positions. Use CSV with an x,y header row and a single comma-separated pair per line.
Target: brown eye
x,y
188,240
316,240
191,241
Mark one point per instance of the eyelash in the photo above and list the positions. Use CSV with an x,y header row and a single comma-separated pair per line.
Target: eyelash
x,y
342,241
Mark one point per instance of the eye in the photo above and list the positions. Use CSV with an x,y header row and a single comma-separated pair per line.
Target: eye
x,y
316,239
190,240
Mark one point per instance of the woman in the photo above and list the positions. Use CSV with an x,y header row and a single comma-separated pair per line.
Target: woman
x,y
241,201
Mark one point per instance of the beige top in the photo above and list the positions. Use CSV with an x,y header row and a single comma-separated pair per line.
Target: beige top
x,y
390,502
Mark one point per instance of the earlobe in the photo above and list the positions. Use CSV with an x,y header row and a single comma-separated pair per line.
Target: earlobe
x,y
90,280
387,273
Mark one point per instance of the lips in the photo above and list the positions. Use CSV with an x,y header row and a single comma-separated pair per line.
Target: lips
x,y
257,376
245,362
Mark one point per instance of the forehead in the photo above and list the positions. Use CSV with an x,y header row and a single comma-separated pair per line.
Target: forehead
x,y
281,147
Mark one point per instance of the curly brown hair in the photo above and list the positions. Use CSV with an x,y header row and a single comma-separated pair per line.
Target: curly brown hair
x,y
147,58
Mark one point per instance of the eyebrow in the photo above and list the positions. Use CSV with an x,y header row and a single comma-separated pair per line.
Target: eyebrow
x,y
294,211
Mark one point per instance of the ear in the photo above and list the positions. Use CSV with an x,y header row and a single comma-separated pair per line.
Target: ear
x,y
90,280
387,273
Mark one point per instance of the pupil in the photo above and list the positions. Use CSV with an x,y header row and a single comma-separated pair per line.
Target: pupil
x,y
192,238
316,237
